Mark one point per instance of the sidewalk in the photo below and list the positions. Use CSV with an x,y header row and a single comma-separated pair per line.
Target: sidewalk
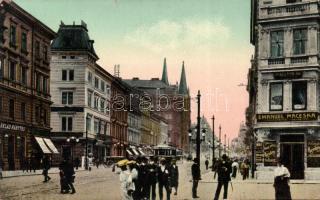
x,y
207,177
10,174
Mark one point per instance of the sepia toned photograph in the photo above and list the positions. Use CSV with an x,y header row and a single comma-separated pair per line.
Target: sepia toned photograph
x,y
159,99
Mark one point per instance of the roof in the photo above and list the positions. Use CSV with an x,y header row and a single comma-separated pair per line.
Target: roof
x,y
73,38
183,88
165,73
146,83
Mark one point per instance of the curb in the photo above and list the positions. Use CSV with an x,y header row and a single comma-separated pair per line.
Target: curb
x,y
36,173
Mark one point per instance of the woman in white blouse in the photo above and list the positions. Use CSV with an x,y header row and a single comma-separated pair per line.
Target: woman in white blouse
x,y
281,182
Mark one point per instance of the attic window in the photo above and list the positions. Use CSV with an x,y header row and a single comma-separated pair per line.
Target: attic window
x,y
63,57
72,57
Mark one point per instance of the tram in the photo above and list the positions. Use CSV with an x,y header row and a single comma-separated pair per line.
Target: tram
x,y
167,151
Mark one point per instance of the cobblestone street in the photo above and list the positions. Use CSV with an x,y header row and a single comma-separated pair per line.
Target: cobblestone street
x,y
103,184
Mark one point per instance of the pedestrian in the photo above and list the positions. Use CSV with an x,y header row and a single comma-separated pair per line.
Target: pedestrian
x,y
69,175
144,175
124,182
77,163
174,176
134,177
235,166
32,163
245,169
64,187
153,178
46,167
281,182
137,194
196,177
224,171
207,164
1,167
164,179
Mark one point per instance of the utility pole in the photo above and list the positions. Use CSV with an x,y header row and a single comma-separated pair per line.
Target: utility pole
x,y
198,129
219,141
213,148
229,147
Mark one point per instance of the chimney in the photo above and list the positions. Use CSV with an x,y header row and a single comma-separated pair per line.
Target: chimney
x,y
155,79
135,78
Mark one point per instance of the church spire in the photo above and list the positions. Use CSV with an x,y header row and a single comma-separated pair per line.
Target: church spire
x,y
164,72
183,88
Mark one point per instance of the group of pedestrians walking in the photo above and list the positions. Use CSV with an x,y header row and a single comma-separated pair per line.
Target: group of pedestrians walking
x,y
140,177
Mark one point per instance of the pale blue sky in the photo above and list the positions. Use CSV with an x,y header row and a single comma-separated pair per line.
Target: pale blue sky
x,y
211,36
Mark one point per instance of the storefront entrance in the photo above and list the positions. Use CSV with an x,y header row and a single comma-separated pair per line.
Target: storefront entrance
x,y
292,153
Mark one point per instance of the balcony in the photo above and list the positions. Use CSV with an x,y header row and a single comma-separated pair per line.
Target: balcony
x,y
289,10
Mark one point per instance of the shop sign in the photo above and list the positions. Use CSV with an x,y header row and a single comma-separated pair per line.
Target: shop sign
x,y
282,117
12,127
259,152
270,153
287,75
314,148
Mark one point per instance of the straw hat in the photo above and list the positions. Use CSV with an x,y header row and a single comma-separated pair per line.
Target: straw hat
x,y
122,162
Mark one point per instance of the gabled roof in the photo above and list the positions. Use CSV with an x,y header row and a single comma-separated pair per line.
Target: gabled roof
x,y
73,38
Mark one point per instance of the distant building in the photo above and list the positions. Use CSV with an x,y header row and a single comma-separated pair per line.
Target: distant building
x,y
81,92
24,87
178,97
284,85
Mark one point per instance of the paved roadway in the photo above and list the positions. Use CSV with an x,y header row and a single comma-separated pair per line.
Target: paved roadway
x,y
102,184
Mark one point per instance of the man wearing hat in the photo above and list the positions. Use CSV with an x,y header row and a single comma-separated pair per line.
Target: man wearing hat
x,y
174,176
153,177
224,170
196,176
164,178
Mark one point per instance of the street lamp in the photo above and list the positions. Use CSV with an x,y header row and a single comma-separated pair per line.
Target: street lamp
x,y
86,153
219,141
213,148
198,129
73,141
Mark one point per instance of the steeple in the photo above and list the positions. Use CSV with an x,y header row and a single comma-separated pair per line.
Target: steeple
x,y
183,88
164,72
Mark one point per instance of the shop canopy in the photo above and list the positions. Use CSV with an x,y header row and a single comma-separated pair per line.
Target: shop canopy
x,y
51,145
129,152
46,145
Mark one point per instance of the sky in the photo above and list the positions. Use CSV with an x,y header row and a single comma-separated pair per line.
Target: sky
x,y
210,36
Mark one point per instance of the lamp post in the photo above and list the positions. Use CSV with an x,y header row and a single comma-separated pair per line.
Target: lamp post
x,y
213,148
86,153
219,141
198,129
225,143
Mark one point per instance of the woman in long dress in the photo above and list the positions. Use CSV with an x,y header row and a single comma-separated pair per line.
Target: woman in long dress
x,y
126,183
281,182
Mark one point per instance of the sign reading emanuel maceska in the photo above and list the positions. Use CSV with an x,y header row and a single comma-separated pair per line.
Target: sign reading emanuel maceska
x,y
12,127
282,117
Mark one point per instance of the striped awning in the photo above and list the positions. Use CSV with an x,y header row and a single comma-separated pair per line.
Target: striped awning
x,y
129,152
51,145
45,149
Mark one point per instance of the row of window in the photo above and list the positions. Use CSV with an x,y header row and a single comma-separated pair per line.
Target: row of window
x,y
98,84
67,75
99,103
98,126
300,39
12,108
12,72
24,43
299,96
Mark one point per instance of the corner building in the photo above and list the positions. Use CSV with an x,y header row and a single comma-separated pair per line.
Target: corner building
x,y
285,34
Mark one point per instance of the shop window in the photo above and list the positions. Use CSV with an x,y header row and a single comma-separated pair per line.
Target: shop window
x,y
299,95
67,98
276,44
299,41
276,96
11,108
23,111
66,123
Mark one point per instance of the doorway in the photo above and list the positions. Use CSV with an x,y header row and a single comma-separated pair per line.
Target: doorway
x,y
11,146
292,153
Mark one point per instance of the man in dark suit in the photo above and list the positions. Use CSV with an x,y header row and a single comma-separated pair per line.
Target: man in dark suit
x,y
164,179
153,177
46,167
195,169
224,170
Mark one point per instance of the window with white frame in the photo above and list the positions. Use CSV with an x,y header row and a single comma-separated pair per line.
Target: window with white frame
x,y
67,75
276,96
67,98
66,123
89,79
96,82
300,39
299,95
276,43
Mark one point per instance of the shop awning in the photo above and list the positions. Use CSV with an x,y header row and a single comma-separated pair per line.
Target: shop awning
x,y
43,145
51,145
141,152
135,152
129,152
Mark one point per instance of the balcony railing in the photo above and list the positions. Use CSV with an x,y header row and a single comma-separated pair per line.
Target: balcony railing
x,y
276,61
302,59
286,10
